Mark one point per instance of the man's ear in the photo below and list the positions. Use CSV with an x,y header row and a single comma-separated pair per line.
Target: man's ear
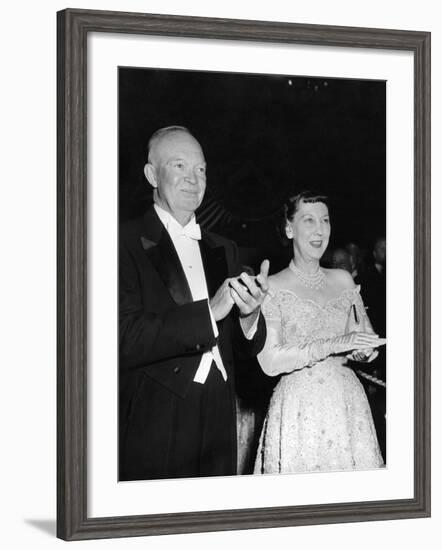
x,y
150,173
289,231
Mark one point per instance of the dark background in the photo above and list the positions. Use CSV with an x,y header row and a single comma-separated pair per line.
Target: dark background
x,y
265,138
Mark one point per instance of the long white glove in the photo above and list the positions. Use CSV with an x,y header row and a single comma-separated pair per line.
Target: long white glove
x,y
277,358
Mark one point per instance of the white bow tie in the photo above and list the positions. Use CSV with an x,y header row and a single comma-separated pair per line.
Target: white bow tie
x,y
191,230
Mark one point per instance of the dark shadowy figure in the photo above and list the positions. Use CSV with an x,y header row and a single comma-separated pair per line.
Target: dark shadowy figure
x,y
357,260
373,287
341,259
373,290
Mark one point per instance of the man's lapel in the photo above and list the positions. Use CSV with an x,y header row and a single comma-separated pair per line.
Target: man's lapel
x,y
159,248
215,263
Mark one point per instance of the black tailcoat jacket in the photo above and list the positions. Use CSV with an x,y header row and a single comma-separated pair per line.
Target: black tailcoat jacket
x,y
162,335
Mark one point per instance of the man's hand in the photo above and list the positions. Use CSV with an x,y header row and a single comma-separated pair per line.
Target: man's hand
x,y
248,292
222,302
363,356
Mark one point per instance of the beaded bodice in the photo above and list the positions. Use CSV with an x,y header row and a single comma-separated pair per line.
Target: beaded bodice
x,y
303,320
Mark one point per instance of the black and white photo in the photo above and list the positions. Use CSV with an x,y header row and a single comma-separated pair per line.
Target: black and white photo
x,y
226,177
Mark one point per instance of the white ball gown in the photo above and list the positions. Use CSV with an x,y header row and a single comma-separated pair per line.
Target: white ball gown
x,y
319,418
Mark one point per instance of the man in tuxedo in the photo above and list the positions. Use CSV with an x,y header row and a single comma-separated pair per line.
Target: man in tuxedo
x,y
183,310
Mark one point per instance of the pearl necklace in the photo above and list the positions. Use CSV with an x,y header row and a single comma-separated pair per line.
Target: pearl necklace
x,y
310,281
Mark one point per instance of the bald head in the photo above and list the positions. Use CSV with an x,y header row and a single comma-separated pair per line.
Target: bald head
x,y
166,135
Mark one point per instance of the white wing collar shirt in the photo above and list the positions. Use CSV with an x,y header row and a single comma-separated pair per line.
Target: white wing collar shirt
x,y
185,239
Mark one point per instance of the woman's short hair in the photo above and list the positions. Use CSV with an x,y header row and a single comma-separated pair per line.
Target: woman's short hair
x,y
291,206
292,203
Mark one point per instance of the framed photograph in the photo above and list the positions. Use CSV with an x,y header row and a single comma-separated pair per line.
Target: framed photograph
x,y
261,367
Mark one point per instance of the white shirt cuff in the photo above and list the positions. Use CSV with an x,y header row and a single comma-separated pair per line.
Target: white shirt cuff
x,y
212,318
249,331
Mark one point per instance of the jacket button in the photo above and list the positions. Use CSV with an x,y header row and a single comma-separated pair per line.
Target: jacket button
x,y
176,370
198,347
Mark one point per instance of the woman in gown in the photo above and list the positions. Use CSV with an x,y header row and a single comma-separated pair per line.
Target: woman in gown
x,y
319,418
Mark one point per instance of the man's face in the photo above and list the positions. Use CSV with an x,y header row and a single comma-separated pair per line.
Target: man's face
x,y
177,172
380,252
341,259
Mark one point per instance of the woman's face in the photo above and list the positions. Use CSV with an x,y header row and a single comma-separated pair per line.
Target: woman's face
x,y
310,230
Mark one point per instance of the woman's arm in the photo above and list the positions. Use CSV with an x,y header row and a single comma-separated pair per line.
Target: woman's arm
x,y
279,358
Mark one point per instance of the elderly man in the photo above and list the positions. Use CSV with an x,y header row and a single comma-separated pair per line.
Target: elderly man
x,y
178,325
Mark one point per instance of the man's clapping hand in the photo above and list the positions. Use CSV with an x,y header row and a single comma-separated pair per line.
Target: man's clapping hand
x,y
245,291
222,302
249,292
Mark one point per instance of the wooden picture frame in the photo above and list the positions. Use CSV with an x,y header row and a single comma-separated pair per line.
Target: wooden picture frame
x,y
73,28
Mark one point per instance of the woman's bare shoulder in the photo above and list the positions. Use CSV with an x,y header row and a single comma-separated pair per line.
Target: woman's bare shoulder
x,y
340,278
279,281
